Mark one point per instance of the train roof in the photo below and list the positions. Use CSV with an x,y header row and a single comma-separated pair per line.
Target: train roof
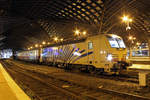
x,y
79,40
67,42
113,35
76,41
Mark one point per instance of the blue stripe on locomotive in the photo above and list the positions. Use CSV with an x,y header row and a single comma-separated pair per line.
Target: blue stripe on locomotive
x,y
84,55
66,53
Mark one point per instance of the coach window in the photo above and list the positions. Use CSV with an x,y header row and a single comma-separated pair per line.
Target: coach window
x,y
90,45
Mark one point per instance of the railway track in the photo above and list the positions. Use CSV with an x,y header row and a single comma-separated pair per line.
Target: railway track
x,y
62,88
124,77
41,87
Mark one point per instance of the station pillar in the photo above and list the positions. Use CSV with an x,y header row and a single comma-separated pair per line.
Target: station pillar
x,y
40,55
142,78
130,53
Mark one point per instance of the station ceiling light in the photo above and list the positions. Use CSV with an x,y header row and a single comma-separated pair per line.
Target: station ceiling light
x,y
130,37
84,32
134,38
36,45
125,18
43,42
56,39
61,39
77,32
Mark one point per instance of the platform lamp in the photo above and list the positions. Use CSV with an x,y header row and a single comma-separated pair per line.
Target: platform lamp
x,y
77,32
127,20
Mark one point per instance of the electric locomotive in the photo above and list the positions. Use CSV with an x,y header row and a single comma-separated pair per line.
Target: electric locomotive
x,y
103,53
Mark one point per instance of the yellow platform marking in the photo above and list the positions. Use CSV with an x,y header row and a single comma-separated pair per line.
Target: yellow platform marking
x,y
12,84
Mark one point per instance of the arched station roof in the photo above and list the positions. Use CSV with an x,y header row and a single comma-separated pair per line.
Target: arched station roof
x,y
24,23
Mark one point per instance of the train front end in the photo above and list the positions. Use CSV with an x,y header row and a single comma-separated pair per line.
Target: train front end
x,y
117,55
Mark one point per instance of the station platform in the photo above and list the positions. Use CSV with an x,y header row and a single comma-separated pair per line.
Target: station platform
x,y
143,71
140,60
9,90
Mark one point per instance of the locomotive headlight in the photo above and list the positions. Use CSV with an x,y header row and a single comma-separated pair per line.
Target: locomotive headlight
x,y
109,57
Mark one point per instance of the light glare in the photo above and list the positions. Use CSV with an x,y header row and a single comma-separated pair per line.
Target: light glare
x,y
114,36
36,45
61,39
43,42
77,32
55,38
125,18
109,57
84,33
130,37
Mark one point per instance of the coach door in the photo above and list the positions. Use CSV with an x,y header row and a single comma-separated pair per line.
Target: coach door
x,y
90,56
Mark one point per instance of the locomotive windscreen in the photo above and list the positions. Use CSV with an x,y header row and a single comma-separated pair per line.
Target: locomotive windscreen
x,y
113,42
121,43
116,42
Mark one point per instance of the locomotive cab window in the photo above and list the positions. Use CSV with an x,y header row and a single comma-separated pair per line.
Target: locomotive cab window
x,y
90,45
121,43
116,42
113,42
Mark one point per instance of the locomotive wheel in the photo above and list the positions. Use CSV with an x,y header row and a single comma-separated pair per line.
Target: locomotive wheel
x,y
92,72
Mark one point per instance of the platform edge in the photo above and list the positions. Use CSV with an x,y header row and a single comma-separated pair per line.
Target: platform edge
x,y
20,95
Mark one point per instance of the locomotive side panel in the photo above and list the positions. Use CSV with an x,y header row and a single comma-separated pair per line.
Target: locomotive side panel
x,y
100,51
